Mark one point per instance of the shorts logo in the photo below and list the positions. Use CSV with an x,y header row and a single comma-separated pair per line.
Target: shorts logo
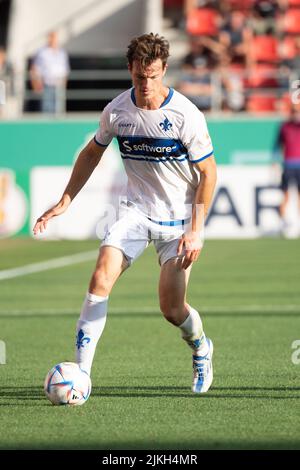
x,y
166,124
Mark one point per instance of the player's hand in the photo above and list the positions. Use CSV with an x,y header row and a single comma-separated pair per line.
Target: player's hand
x,y
191,241
41,223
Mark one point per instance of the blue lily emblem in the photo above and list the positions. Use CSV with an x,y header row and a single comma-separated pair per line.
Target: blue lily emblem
x,y
81,339
166,124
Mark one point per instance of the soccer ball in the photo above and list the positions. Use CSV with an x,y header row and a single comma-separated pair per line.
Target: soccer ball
x,y
67,384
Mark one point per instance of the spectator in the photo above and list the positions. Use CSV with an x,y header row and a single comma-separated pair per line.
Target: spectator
x,y
235,36
205,47
262,19
196,83
232,75
6,72
289,140
49,73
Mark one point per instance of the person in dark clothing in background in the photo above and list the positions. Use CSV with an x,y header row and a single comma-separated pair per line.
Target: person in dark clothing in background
x,y
289,141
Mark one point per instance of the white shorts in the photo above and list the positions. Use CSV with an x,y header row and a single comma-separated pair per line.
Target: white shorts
x,y
133,232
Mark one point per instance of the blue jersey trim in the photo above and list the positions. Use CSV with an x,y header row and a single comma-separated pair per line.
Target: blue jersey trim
x,y
166,101
99,143
170,223
155,160
202,158
168,98
143,136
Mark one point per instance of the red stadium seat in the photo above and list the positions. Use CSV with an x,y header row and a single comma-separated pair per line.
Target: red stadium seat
x,y
294,3
262,75
288,48
202,21
260,103
264,48
291,21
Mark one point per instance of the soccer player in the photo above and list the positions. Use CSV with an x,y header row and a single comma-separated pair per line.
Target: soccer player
x,y
288,140
168,158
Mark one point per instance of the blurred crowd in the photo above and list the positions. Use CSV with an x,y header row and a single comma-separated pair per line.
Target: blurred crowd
x,y
244,54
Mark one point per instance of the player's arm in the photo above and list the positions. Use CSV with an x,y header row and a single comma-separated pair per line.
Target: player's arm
x,y
278,147
203,198
35,79
204,193
85,164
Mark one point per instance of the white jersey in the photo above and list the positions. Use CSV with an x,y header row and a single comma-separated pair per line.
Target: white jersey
x,y
159,149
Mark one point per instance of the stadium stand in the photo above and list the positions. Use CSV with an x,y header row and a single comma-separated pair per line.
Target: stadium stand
x,y
202,21
238,51
261,54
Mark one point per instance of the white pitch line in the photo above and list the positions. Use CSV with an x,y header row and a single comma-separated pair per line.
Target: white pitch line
x,y
49,264
204,310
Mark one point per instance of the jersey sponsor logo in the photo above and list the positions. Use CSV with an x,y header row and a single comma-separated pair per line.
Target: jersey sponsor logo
x,y
151,147
166,124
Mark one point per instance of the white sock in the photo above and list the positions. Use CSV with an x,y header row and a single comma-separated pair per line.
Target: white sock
x,y
192,332
89,329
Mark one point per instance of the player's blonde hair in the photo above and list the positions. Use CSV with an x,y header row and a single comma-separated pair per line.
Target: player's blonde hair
x,y
147,48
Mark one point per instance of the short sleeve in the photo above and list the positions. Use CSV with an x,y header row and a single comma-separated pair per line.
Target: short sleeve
x,y
195,136
104,134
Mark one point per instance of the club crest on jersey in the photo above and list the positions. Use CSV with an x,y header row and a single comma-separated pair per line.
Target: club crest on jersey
x,y
81,339
166,125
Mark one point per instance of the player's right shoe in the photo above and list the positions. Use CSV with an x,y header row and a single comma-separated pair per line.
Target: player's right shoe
x,y
203,370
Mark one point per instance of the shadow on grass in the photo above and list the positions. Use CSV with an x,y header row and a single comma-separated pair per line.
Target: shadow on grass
x,y
153,445
36,394
155,314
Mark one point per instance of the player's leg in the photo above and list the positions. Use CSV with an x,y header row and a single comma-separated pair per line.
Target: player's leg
x,y
285,196
120,247
298,186
283,204
172,294
110,265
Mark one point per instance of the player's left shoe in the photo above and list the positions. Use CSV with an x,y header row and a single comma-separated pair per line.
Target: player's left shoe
x,y
203,370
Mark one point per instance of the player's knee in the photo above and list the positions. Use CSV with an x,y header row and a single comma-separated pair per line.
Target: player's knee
x,y
101,281
171,313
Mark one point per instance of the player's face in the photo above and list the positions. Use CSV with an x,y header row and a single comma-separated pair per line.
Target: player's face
x,y
148,81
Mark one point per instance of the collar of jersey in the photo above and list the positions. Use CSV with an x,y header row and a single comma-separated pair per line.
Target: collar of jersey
x,y
166,101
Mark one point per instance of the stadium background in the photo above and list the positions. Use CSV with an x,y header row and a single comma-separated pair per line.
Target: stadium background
x,y
249,288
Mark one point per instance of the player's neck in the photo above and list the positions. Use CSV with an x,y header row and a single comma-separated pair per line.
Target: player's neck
x,y
153,102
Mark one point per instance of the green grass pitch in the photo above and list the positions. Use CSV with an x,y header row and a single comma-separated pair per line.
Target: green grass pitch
x,y
249,297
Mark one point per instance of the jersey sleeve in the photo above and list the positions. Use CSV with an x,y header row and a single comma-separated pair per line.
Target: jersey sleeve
x,y
104,134
195,136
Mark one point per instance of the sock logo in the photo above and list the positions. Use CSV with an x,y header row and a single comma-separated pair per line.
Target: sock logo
x,y
81,339
196,343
